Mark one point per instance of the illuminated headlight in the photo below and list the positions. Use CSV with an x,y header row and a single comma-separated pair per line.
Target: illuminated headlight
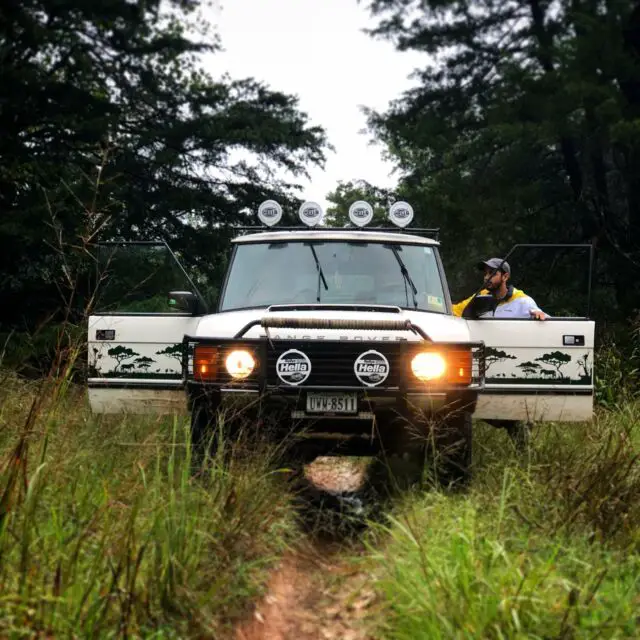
x,y
428,366
240,364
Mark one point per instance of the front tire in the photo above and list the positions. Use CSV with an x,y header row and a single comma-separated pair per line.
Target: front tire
x,y
202,428
401,459
454,451
208,432
520,434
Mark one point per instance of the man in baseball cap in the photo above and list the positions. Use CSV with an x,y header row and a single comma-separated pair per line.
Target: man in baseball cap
x,y
509,301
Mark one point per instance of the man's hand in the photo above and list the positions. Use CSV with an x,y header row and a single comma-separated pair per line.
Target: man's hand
x,y
537,314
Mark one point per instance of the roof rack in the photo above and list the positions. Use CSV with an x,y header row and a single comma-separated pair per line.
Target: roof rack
x,y
319,229
361,213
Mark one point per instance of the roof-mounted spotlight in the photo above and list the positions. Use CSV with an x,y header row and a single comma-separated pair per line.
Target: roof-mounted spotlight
x,y
361,213
270,213
401,213
311,213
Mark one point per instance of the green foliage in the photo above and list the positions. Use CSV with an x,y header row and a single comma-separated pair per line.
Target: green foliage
x,y
512,134
617,367
109,528
111,130
543,546
347,193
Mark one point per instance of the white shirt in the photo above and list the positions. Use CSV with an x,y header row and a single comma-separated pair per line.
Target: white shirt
x,y
518,306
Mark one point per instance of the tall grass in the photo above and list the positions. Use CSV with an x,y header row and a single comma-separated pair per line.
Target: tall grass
x,y
108,528
543,546
617,374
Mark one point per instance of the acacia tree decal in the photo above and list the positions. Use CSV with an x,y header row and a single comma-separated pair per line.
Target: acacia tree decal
x,y
494,355
144,363
121,353
557,360
583,362
529,368
174,351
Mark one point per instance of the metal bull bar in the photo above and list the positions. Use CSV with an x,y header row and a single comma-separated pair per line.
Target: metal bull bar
x,y
337,323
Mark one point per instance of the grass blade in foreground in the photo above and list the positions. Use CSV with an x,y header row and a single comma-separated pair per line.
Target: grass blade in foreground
x,y
543,547
111,533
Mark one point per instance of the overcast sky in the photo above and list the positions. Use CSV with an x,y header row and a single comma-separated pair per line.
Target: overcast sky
x,y
315,49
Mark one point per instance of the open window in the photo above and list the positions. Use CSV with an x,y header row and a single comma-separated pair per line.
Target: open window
x,y
542,370
145,304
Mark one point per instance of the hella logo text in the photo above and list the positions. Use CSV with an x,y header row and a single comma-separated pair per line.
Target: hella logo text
x,y
371,368
293,367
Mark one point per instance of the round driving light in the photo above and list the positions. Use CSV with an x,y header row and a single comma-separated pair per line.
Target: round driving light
x,y
428,366
240,364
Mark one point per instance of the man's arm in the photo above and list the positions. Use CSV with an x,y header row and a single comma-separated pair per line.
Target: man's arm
x,y
529,306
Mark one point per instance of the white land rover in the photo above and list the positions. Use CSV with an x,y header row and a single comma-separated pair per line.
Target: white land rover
x,y
345,335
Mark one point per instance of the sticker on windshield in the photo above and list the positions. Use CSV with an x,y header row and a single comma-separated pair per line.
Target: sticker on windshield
x,y
428,251
435,301
371,368
293,367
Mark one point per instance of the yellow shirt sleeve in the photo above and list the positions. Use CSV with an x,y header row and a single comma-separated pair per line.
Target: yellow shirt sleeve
x,y
459,308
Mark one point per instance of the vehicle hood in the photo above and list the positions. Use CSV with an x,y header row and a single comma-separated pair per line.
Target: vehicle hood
x,y
439,327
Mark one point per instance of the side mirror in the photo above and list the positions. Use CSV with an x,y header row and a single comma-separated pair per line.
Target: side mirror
x,y
186,301
478,306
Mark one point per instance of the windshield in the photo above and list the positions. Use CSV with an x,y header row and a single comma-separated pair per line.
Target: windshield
x,y
334,272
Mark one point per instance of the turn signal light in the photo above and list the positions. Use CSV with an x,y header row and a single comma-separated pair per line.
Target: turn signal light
x,y
205,362
460,364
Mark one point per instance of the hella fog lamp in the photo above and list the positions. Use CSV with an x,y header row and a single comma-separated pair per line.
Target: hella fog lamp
x,y
428,366
240,364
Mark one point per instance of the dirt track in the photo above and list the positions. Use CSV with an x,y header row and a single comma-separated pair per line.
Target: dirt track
x,y
316,593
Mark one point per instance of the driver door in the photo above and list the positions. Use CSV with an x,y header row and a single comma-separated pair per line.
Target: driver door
x,y
542,370
145,304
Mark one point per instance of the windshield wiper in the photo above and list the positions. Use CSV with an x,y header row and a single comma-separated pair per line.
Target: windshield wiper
x,y
321,277
406,276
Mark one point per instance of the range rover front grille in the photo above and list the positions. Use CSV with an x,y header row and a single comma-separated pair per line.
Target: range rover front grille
x,y
332,363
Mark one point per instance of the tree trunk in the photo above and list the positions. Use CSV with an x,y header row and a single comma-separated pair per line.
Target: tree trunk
x,y
589,221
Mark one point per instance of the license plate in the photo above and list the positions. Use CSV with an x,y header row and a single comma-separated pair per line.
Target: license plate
x,y
332,403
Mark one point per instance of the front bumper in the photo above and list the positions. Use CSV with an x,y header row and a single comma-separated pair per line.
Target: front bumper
x,y
332,373
294,403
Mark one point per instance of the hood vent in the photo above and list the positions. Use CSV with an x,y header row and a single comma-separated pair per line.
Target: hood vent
x,y
377,308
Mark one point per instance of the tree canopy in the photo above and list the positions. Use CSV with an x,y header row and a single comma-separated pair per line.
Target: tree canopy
x,y
523,127
112,130
346,193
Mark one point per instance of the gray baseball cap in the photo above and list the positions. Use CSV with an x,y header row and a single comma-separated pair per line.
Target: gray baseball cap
x,y
494,263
